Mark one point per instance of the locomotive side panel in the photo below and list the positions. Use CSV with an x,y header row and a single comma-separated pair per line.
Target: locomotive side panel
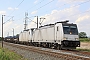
x,y
21,36
36,36
44,35
48,34
58,33
24,36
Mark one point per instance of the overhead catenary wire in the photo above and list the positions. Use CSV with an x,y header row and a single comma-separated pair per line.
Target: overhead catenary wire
x,y
82,3
59,6
13,12
16,7
75,5
52,1
41,6
63,4
20,3
35,5
79,13
70,7
44,5
9,20
32,7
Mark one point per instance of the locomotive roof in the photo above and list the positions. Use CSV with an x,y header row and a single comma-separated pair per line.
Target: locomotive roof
x,y
26,30
55,23
62,21
47,25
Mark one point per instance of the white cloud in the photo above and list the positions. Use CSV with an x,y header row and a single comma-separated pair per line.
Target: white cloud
x,y
82,18
10,8
18,28
36,2
32,24
73,14
83,22
34,12
16,8
57,15
73,1
9,26
3,12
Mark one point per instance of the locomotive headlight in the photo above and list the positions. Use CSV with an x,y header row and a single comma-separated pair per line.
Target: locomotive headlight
x,y
64,38
76,38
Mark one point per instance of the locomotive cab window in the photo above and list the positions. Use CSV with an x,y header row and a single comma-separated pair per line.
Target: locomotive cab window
x,y
70,29
57,28
29,33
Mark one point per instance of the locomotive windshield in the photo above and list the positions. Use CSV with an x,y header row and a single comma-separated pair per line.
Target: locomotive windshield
x,y
70,29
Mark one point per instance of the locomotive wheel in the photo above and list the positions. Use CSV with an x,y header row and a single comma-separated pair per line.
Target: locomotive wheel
x,y
59,47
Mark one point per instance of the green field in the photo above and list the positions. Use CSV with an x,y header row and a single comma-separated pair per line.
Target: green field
x,y
5,54
87,50
84,39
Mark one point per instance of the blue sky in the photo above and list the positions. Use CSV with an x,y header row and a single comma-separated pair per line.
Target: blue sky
x,y
76,11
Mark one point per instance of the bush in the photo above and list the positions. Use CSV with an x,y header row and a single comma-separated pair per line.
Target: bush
x,y
84,39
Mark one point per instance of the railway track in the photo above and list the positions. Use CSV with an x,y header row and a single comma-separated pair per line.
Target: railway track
x,y
64,54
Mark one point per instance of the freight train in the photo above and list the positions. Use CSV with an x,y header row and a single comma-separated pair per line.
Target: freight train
x,y
60,35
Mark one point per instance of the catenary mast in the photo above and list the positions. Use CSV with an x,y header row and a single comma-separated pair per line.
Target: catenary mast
x,y
26,18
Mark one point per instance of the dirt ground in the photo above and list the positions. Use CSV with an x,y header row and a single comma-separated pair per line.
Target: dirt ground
x,y
85,45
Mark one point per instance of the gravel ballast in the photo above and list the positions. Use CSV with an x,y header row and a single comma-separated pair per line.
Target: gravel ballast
x,y
30,55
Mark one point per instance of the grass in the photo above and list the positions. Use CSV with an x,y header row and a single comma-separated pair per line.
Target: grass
x,y
87,50
6,54
84,39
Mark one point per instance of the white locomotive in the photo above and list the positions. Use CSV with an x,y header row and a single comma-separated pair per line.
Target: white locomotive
x,y
61,35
